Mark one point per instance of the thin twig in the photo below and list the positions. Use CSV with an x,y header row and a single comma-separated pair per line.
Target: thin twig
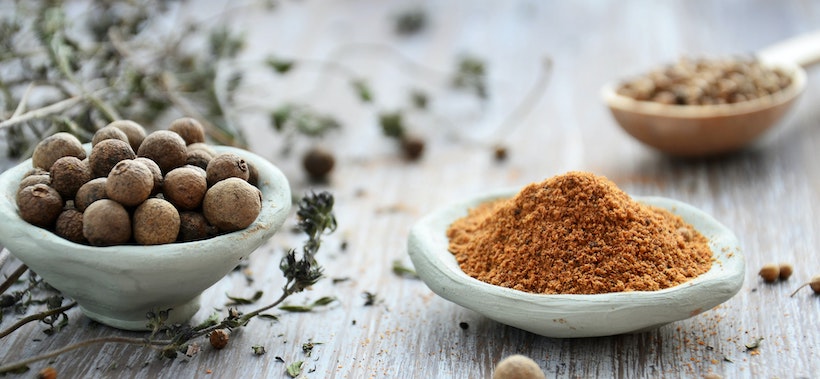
x,y
528,103
36,317
21,106
13,278
19,365
167,81
48,110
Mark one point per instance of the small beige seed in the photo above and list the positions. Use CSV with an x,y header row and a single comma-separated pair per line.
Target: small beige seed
x,y
769,272
786,270
218,339
518,367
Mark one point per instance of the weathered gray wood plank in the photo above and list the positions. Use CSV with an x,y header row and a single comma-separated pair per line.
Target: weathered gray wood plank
x,y
767,195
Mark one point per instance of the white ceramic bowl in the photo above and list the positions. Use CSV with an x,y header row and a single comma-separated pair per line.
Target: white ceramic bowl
x,y
577,315
118,285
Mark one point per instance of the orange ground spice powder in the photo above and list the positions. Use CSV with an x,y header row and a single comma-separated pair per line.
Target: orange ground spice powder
x,y
577,233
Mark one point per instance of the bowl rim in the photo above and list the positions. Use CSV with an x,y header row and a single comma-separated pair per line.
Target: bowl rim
x,y
437,267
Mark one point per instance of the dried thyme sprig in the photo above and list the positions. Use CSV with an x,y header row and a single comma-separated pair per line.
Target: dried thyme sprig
x,y
113,61
316,219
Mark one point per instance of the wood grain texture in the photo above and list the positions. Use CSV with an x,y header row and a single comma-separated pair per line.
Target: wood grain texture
x,y
767,194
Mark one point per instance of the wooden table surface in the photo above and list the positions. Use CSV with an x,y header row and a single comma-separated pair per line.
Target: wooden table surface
x,y
767,194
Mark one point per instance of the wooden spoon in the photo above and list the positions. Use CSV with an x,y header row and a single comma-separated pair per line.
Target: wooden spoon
x,y
704,130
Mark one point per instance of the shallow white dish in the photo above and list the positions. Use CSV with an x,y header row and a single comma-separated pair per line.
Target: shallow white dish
x,y
118,285
567,316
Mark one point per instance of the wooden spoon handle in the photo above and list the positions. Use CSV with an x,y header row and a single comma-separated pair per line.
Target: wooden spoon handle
x,y
803,50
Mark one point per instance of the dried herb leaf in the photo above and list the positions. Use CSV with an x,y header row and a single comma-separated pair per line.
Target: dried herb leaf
x,y
308,308
258,350
471,75
303,120
295,369
281,66
401,270
410,21
369,298
363,90
325,300
419,99
242,301
392,124
754,344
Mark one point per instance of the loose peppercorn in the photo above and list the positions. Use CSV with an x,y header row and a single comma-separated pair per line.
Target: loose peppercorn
x,y
219,339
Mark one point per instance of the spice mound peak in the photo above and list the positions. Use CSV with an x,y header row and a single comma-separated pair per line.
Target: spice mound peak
x,y
577,233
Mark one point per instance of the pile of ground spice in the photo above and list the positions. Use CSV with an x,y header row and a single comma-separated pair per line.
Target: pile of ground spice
x,y
577,233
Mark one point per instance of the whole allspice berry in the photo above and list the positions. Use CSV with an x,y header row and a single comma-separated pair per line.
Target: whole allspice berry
x,y
253,174
318,163
156,221
106,154
232,204
47,373
193,226
33,179
204,147
129,183
106,223
68,174
185,187
518,367
90,192
39,205
199,158
158,179
814,284
219,339
226,165
166,148
70,226
189,129
133,130
413,147
786,270
54,147
769,272
109,132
